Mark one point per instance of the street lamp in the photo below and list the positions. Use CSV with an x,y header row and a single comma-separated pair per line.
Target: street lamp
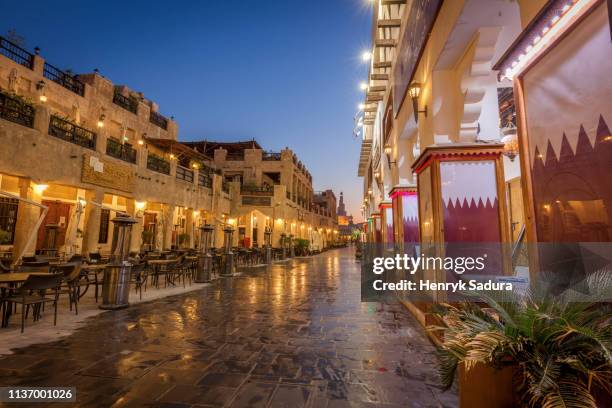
x,y
228,269
268,245
414,91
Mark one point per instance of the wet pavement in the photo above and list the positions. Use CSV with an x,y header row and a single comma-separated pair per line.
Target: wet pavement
x,y
292,335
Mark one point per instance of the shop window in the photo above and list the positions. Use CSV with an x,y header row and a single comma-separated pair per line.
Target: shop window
x,y
8,220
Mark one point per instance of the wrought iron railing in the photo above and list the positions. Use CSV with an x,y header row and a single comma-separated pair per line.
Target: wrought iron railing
x,y
72,133
157,164
121,151
16,53
264,190
158,120
271,156
15,110
204,180
126,102
68,81
185,174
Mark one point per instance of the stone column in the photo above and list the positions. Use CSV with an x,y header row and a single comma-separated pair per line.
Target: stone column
x,y
168,214
189,219
137,228
27,217
41,118
92,221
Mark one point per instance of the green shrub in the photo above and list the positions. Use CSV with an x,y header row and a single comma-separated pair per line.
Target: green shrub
x,y
560,342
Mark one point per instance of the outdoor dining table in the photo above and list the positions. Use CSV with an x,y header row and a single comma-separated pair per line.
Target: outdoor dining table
x,y
18,277
157,265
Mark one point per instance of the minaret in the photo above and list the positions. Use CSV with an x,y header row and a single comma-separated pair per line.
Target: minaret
x,y
341,209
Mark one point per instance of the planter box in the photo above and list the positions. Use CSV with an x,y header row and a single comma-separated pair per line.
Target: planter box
x,y
485,387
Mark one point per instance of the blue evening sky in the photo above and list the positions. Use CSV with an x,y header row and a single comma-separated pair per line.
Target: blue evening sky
x,y
284,72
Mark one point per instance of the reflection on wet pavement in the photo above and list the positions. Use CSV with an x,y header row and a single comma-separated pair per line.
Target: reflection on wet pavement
x,y
293,335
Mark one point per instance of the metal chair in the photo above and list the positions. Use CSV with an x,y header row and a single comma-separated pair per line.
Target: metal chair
x,y
139,277
33,293
73,281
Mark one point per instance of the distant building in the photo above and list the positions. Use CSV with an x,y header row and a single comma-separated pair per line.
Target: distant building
x,y
87,149
345,221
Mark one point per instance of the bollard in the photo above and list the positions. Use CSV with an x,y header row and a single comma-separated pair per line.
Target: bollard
x,y
228,265
268,245
204,257
116,286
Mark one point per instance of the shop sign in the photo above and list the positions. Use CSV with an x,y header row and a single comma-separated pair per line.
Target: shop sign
x,y
106,173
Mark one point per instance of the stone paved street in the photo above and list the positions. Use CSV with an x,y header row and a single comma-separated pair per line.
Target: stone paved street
x,y
294,335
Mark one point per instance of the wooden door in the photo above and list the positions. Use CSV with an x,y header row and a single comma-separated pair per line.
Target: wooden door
x,y
59,213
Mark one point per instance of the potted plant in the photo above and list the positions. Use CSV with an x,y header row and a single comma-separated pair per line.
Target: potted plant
x,y
557,345
301,246
183,240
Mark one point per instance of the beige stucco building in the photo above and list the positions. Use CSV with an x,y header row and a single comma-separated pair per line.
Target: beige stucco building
x,y
86,148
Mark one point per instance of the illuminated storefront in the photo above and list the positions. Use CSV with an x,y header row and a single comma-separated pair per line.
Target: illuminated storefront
x,y
462,204
405,217
560,67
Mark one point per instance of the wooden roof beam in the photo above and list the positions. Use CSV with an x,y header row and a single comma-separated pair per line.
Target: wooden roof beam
x,y
377,88
394,22
384,43
392,2
386,64
379,77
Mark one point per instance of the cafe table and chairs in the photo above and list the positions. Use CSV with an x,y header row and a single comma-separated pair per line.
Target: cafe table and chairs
x,y
30,290
161,267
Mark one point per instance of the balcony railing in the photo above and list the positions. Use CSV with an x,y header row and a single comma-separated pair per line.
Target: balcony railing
x,y
127,103
15,110
124,152
271,156
72,133
157,164
16,53
158,120
185,174
204,180
225,187
68,81
264,190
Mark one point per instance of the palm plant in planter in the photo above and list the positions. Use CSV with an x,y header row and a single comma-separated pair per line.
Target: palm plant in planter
x,y
301,246
559,343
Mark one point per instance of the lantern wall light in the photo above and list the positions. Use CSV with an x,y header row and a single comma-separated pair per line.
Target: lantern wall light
x,y
388,150
414,91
